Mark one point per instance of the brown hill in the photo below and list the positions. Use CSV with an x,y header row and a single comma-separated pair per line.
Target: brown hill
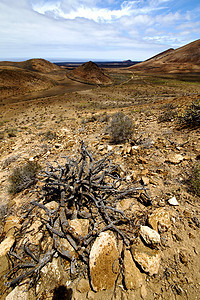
x,y
185,59
90,73
17,81
36,64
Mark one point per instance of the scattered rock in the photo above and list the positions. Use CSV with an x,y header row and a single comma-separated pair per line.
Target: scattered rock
x,y
6,245
174,158
145,180
132,276
159,220
124,204
143,292
148,259
183,256
52,205
173,201
150,236
103,262
142,160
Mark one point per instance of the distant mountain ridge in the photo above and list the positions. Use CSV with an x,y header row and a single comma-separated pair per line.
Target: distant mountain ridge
x,y
35,64
185,59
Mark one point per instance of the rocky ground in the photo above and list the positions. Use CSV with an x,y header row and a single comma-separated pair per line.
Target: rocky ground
x,y
163,260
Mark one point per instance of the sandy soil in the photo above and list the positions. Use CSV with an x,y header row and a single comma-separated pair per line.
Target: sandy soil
x,y
77,112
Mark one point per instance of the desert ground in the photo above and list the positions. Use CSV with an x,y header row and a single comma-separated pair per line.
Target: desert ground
x,y
43,126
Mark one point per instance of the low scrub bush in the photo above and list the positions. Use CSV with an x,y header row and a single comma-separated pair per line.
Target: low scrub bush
x,y
194,179
167,116
191,116
120,128
23,177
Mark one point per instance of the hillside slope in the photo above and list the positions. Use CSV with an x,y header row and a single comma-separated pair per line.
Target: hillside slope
x,y
16,81
185,59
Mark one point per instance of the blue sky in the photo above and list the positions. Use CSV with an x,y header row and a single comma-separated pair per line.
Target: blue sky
x,y
95,29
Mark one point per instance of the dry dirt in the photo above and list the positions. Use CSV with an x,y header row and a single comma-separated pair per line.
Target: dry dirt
x,y
81,115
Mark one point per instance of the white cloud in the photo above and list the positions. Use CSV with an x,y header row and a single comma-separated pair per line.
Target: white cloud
x,y
91,29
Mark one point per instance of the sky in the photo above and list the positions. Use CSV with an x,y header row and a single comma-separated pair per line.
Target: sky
x,y
82,30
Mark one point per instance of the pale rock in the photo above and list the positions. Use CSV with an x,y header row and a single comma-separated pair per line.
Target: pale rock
x,y
104,262
20,292
124,204
101,147
134,175
128,149
80,226
128,178
142,160
52,270
11,223
145,180
174,158
172,201
159,220
4,263
150,236
148,259
83,286
53,205
132,276
143,292
110,148
144,172
135,147
6,245
35,234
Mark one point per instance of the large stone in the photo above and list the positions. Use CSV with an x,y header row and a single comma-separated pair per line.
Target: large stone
x,y
35,233
20,292
132,276
81,226
172,201
148,259
150,236
174,158
6,245
104,262
11,223
159,220
125,204
83,286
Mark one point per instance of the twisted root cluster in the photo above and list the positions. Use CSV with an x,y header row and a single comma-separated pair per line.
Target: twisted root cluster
x,y
82,188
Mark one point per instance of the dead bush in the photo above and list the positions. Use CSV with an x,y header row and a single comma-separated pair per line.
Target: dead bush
x,y
23,177
120,128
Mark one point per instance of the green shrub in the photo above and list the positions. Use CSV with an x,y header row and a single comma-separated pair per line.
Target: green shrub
x,y
167,116
194,179
23,177
120,128
191,117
